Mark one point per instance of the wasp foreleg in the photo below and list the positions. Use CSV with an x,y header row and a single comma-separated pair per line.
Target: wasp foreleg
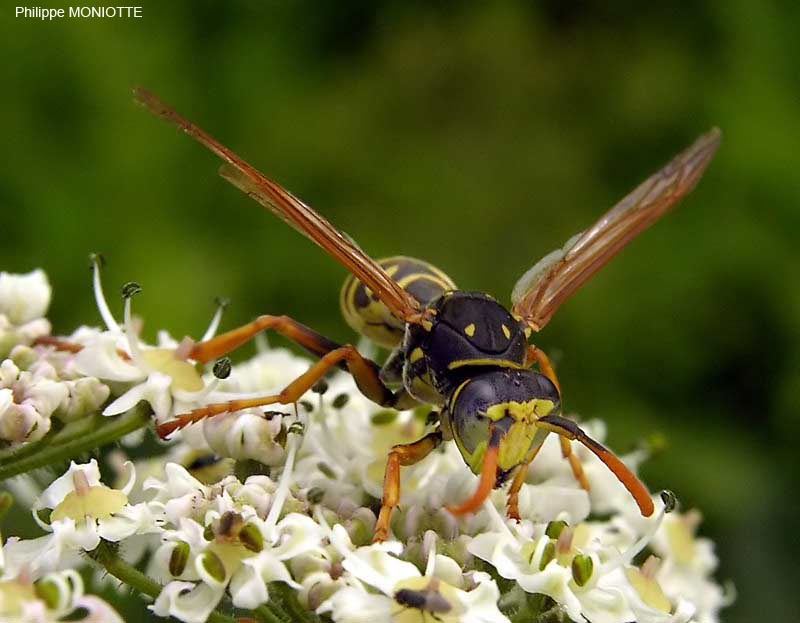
x,y
400,456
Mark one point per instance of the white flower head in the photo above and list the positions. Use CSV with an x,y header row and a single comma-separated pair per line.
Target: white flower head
x,y
27,400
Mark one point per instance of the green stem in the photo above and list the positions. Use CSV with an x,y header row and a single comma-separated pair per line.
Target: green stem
x,y
103,434
71,431
106,557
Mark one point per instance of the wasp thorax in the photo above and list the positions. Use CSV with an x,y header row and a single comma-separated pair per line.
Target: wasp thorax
x,y
469,330
511,401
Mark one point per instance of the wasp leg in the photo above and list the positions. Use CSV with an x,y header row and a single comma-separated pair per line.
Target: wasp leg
x,y
512,509
539,357
569,429
224,343
400,456
364,371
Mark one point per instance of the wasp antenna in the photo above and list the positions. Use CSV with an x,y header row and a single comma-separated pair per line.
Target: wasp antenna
x,y
568,428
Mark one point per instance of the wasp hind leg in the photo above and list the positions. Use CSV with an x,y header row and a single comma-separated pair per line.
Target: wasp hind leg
x,y
540,358
401,456
365,372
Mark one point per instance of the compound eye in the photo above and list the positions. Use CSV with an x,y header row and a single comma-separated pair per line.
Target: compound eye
x,y
471,429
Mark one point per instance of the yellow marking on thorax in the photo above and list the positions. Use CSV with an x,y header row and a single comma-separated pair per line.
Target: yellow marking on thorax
x,y
500,363
416,355
506,332
470,330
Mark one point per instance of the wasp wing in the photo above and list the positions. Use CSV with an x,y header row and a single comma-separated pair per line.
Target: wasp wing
x,y
542,290
294,212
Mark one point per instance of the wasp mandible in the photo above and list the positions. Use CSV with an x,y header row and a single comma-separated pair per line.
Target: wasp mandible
x,y
460,351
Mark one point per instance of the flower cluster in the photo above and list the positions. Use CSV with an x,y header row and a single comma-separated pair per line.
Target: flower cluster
x,y
274,511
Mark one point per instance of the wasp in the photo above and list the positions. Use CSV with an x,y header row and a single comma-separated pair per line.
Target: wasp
x,y
494,394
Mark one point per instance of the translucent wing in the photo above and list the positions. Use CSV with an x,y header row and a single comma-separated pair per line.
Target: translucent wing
x,y
294,212
542,290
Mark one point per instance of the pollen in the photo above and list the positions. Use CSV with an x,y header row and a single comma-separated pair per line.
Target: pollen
x,y
470,329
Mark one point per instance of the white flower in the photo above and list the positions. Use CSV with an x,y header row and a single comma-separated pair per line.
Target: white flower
x,y
240,557
54,597
375,566
83,511
24,297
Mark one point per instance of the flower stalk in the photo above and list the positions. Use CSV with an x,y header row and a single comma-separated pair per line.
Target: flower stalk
x,y
75,443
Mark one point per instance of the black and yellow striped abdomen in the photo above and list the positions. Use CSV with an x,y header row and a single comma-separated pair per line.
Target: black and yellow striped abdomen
x,y
368,316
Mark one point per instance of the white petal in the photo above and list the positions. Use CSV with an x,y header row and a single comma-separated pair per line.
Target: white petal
x,y
155,390
100,358
379,569
352,605
193,606
298,534
98,610
248,586
545,503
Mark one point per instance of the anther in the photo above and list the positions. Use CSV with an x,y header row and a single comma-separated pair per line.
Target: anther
x,y
320,387
222,368
96,259
131,289
222,302
582,567
340,401
670,500
297,428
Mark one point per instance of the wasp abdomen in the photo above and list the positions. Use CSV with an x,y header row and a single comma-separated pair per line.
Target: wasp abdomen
x,y
367,315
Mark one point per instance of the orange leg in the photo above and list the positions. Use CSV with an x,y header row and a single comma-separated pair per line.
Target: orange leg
x,y
400,456
512,510
539,357
364,371
226,342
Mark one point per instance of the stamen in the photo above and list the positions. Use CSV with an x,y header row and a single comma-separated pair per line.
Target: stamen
x,y
429,545
222,303
283,486
105,313
669,501
129,290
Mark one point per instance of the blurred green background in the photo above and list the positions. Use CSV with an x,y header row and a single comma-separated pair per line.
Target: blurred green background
x,y
479,136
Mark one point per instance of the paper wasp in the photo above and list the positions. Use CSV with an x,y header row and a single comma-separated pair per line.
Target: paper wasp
x,y
462,352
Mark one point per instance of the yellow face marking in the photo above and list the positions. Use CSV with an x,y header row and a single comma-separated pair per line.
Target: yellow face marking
x,y
529,411
506,332
470,330
391,270
416,355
